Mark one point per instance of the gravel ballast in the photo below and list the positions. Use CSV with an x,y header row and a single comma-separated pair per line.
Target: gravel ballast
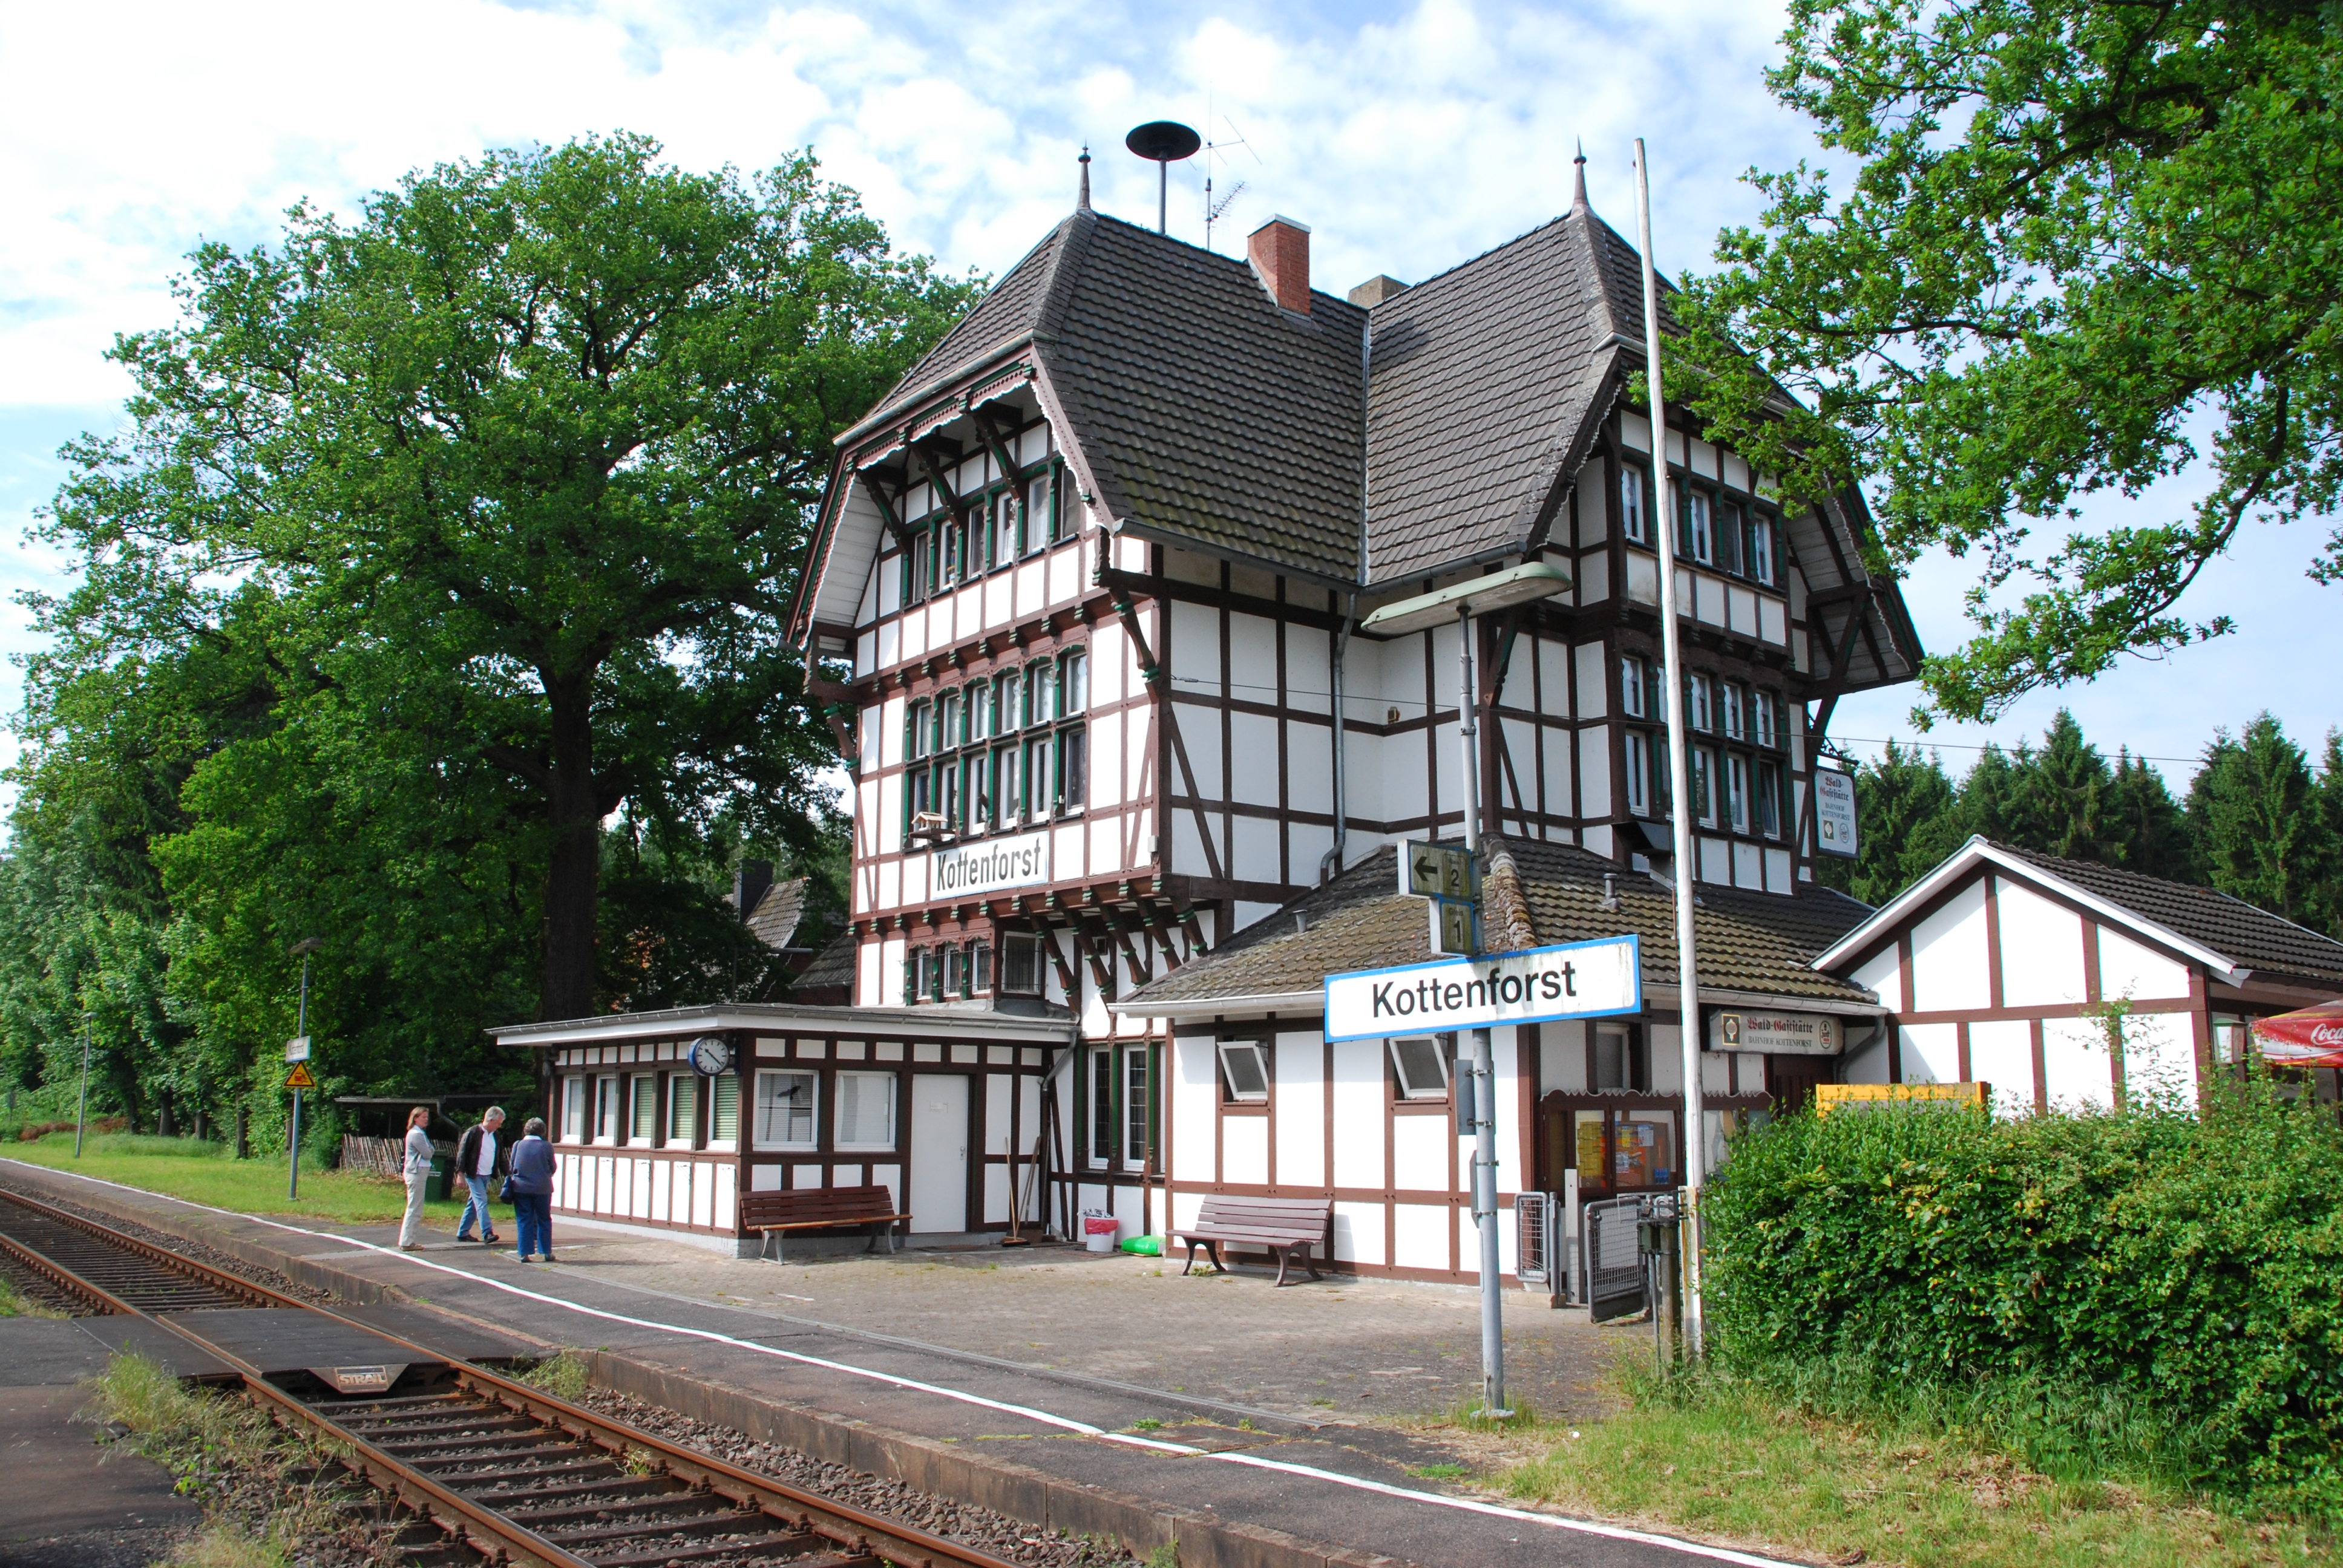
x,y
995,1533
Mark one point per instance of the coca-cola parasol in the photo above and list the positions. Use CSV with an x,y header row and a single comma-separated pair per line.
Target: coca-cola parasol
x,y
2309,1036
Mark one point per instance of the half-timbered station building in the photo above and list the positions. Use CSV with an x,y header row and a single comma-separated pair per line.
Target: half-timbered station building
x,y
1083,604
2065,984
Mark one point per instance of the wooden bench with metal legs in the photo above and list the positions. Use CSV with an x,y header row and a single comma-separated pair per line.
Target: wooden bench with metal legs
x,y
1287,1228
819,1209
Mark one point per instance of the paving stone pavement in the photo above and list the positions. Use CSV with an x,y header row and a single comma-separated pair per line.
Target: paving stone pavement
x,y
1346,1348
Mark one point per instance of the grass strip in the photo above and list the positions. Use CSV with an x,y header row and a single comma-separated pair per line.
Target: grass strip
x,y
1729,1461
205,1172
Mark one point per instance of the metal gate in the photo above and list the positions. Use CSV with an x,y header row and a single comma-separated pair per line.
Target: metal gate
x,y
1533,1214
1614,1269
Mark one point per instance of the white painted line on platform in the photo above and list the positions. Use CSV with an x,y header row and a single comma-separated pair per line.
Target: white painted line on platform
x,y
1466,1504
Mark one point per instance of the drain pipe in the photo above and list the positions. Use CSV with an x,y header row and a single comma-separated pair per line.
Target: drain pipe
x,y
1329,864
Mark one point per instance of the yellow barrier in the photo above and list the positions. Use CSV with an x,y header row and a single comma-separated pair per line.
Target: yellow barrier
x,y
1827,1095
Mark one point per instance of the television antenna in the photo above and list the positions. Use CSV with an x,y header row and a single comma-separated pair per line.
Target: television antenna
x,y
1163,143
1214,209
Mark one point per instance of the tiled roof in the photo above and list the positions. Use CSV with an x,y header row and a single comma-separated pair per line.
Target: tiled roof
x,y
1203,410
833,966
2249,935
1486,384
1758,942
1006,313
775,919
1197,411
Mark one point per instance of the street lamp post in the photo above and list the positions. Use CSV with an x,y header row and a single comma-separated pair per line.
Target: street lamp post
x,y
81,1116
304,948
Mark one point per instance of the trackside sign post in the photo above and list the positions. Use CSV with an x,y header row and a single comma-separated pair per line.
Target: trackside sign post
x,y
1576,980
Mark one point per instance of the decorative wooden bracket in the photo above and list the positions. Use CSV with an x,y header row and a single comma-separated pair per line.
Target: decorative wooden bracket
x,y
1149,670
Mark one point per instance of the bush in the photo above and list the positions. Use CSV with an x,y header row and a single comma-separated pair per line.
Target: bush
x,y
2155,1282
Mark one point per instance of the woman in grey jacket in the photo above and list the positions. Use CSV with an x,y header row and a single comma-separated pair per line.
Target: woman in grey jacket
x,y
418,1170
531,1189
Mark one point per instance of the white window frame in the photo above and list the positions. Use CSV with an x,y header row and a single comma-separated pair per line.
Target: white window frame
x,y
1410,1089
1736,790
1027,945
687,1135
573,1109
1700,703
1634,504
1103,1108
1135,1098
1631,687
893,1097
607,1110
714,1092
1769,799
812,1081
1704,536
1732,699
1639,772
1254,1051
1702,766
637,1083
1759,567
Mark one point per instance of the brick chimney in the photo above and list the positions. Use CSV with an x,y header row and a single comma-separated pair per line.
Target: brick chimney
x,y
1280,250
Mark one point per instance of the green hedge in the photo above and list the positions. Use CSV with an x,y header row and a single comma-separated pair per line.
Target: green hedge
x,y
2174,1281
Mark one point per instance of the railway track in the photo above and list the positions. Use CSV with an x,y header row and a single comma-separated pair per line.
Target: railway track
x,y
491,1468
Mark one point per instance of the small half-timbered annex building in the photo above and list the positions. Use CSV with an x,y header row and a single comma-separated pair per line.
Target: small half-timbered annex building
x,y
2066,984
1258,1103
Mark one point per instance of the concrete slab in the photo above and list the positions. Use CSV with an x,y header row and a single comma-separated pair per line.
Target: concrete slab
x,y
68,1502
154,1343
46,1353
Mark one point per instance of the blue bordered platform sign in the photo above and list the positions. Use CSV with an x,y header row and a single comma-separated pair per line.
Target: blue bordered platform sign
x,y
1576,980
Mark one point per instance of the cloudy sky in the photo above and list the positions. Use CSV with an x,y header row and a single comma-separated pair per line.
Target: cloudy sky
x,y
1409,136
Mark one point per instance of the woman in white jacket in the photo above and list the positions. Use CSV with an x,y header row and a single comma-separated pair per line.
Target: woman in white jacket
x,y
417,1167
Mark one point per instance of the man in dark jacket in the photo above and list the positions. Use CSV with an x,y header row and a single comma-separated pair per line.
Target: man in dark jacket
x,y
477,1159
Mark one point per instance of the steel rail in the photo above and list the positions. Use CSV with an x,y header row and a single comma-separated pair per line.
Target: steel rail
x,y
853,1530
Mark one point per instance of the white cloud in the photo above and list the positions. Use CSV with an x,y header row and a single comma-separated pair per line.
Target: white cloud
x,y
1410,136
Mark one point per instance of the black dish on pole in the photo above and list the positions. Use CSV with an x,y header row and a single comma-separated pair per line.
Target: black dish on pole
x,y
1163,143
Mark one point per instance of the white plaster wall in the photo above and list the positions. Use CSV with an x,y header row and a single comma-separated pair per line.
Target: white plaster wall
x,y
1881,973
1948,954
2041,948
1420,1235
1667,1059
1195,1108
1359,1114
1561,1057
1244,1149
1299,1064
1866,1063
1932,1054
1252,748
2128,968
2075,1066
1419,1154
2159,1057
1195,647
1359,1232
2001,1053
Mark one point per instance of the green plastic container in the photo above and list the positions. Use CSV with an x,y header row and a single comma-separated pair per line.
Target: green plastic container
x,y
1145,1246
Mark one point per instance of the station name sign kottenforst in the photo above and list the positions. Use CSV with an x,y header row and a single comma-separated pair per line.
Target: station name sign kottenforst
x,y
990,866
1576,980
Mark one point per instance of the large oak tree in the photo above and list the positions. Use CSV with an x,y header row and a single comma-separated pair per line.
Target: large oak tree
x,y
495,492
2075,237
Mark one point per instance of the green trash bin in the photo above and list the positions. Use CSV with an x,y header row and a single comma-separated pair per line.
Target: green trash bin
x,y
443,1172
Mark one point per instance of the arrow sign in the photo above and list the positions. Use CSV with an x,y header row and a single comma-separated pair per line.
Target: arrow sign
x,y
1435,871
299,1077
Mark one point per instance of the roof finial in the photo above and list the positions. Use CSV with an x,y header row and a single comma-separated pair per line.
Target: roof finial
x,y
1083,205
1578,196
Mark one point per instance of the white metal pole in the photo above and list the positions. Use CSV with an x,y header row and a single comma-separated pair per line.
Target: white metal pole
x,y
1679,775
1483,1066
81,1117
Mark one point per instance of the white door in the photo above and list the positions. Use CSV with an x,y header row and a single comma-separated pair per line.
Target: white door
x,y
939,1151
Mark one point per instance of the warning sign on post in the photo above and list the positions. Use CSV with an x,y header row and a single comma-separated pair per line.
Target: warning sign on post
x,y
299,1077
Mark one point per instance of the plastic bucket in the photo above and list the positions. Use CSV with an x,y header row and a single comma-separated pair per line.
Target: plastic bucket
x,y
1099,1229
